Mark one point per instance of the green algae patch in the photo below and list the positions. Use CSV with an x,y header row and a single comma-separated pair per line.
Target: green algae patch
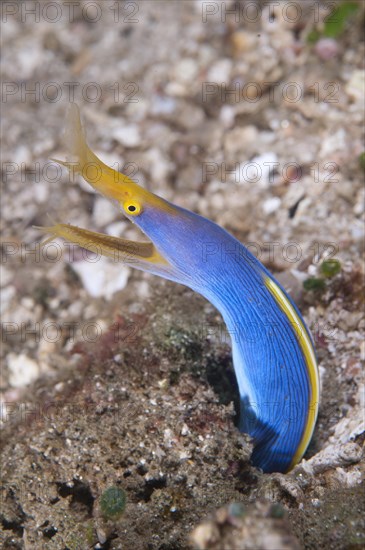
x,y
330,268
113,502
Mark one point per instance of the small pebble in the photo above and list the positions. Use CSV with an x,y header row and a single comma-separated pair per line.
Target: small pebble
x,y
102,277
326,48
127,135
23,370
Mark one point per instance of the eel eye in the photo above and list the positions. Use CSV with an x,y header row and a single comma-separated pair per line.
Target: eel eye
x,y
133,208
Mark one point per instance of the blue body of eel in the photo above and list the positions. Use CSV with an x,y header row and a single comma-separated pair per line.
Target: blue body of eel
x,y
273,353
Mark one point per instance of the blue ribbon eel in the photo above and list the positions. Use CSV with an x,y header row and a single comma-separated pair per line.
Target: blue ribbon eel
x,y
273,353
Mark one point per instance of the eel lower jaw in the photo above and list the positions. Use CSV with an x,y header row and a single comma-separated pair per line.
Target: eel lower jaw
x,y
143,255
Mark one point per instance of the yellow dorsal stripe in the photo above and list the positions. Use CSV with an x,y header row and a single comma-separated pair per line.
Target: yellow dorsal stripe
x,y
310,359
